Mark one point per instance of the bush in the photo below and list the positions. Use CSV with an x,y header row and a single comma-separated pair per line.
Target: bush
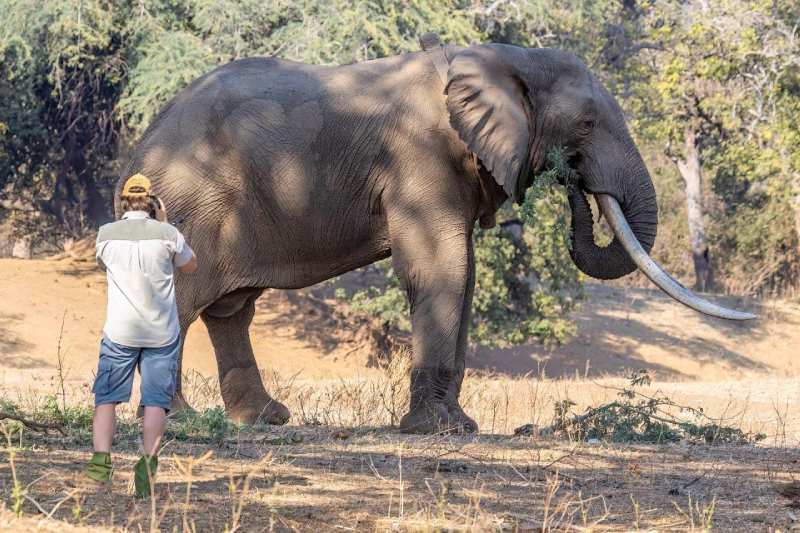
x,y
210,425
637,417
73,417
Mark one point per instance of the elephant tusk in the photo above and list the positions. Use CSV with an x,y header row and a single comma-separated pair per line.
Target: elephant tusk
x,y
653,270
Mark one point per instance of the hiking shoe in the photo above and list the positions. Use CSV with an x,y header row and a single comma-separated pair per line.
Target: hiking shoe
x,y
86,484
97,474
144,475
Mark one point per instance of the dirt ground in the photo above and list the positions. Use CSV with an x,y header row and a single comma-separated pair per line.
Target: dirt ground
x,y
339,465
378,480
618,329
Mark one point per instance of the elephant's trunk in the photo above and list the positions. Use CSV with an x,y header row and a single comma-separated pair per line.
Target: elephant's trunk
x,y
634,234
612,261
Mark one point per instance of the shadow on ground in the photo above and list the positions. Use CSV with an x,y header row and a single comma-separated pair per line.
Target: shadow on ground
x,y
377,478
615,326
11,345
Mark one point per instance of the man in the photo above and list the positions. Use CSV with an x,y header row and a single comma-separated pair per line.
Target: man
x,y
139,255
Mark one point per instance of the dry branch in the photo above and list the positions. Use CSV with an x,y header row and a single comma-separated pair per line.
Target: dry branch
x,y
30,424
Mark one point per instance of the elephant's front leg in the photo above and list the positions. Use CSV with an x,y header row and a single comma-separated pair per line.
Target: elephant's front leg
x,y
246,400
434,266
457,417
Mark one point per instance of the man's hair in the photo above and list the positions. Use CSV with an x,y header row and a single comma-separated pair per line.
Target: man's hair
x,y
138,203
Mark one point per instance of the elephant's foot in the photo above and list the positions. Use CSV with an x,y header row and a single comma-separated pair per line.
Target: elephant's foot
x,y
246,400
428,408
267,411
426,418
459,420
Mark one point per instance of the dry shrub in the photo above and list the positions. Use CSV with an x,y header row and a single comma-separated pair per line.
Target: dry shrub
x,y
355,402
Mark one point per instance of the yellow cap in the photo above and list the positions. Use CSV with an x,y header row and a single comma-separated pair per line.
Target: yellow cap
x,y
136,185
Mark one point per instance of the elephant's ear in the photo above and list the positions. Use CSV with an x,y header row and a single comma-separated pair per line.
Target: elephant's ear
x,y
488,108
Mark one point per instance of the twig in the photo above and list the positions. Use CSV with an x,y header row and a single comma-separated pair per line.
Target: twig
x,y
579,419
695,480
375,470
661,400
30,424
62,500
61,375
34,502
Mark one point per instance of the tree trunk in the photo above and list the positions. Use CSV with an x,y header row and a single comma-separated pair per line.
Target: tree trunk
x,y
689,168
796,205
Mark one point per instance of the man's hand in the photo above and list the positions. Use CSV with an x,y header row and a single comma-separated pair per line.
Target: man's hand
x,y
189,267
161,211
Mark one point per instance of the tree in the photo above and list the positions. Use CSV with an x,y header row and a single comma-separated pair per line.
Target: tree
x,y
714,87
712,102
689,76
63,68
689,166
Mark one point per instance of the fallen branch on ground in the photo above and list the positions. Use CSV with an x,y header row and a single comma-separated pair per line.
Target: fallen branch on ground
x,y
30,424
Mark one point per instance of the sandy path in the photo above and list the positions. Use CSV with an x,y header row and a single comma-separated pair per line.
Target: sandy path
x,y
38,294
618,329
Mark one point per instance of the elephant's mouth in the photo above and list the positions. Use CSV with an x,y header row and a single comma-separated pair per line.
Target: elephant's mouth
x,y
628,240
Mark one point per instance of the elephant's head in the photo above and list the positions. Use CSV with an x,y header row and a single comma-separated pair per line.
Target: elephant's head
x,y
512,105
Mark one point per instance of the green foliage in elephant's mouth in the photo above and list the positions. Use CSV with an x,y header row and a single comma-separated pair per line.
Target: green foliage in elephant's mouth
x,y
526,283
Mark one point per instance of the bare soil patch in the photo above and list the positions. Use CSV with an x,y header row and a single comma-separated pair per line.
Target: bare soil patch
x,y
301,331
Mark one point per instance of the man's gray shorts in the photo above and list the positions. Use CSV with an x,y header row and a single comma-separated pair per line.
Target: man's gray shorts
x,y
157,366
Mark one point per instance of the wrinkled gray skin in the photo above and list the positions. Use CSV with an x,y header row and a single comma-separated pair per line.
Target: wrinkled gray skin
x,y
285,175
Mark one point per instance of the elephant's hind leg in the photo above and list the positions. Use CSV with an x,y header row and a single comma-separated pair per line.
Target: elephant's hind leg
x,y
246,400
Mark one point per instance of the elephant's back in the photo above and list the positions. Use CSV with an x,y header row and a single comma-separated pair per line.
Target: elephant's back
x,y
212,98
242,118
213,130
255,97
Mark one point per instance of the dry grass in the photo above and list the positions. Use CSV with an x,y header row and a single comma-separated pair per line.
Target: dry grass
x,y
341,466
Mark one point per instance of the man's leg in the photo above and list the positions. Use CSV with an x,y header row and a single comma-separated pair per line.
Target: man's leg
x,y
112,385
159,369
103,426
144,472
155,419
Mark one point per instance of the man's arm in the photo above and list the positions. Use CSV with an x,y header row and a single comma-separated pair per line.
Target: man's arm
x,y
189,267
161,211
98,252
184,259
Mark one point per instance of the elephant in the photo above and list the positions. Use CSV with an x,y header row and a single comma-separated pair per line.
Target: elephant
x,y
282,174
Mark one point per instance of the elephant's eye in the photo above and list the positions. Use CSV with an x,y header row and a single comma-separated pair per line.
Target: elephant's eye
x,y
589,124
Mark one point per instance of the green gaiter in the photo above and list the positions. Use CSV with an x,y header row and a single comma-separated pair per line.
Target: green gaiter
x,y
140,477
99,467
